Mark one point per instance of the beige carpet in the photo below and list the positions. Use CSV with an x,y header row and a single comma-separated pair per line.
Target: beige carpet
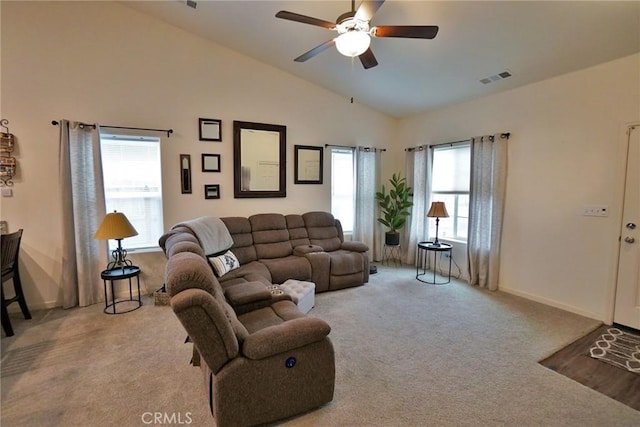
x,y
407,353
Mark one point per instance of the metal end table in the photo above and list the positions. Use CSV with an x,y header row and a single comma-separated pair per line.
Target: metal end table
x,y
392,253
421,262
121,273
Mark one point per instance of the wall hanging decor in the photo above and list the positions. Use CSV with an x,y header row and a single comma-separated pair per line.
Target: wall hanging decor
x,y
259,160
185,173
210,129
210,162
307,164
212,191
7,161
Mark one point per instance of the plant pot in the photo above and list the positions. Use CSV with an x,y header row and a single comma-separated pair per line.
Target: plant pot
x,y
391,239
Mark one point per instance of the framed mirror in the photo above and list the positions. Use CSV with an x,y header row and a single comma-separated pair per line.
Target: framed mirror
x,y
259,160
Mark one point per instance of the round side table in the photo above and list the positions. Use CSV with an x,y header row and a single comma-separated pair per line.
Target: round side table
x,y
121,273
421,262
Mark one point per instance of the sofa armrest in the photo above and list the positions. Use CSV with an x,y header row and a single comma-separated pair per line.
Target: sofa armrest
x,y
355,246
245,293
306,249
286,336
255,305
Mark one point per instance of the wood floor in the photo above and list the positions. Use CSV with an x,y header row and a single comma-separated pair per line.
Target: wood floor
x,y
574,362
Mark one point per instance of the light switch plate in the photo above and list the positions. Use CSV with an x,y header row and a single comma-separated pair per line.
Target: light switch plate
x,y
595,210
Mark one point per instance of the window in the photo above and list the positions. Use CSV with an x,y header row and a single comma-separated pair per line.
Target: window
x,y
342,187
133,185
450,184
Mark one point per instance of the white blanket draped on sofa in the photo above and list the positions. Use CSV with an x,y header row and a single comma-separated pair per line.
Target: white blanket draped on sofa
x,y
213,235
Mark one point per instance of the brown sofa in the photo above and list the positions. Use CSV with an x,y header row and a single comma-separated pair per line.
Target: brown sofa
x,y
272,248
269,363
264,359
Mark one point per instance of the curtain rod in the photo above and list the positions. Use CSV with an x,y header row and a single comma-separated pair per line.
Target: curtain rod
x,y
422,147
354,147
168,131
463,141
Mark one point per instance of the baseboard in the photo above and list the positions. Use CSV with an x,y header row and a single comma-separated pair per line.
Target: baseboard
x,y
553,303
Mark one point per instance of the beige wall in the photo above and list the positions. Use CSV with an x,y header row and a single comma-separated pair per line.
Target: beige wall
x,y
103,62
566,151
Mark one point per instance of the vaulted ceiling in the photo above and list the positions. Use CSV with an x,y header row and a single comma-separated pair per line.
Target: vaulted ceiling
x,y
531,40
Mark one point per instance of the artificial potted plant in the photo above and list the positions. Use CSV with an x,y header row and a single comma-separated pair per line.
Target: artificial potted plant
x,y
394,207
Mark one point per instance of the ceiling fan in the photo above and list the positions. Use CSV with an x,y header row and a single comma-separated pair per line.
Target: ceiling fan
x,y
355,32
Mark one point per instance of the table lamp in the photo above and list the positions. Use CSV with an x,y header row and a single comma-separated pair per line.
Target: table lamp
x,y
438,210
115,225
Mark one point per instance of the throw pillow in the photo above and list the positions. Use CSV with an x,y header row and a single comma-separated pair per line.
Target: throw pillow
x,y
224,263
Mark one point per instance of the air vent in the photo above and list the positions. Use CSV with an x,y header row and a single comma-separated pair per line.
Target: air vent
x,y
500,76
192,4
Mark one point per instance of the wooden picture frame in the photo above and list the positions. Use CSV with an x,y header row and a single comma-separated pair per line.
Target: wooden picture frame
x,y
210,129
185,173
210,162
259,160
212,191
308,164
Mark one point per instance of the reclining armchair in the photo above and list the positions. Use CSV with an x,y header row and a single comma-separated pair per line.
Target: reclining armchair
x,y
267,364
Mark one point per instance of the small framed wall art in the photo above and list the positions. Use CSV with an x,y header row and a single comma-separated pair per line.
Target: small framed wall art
x,y
210,162
307,164
185,173
212,191
210,129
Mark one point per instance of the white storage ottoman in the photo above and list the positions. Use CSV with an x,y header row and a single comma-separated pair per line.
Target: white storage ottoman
x,y
302,293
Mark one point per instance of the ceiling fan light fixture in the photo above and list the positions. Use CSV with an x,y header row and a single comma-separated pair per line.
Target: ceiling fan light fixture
x,y
353,43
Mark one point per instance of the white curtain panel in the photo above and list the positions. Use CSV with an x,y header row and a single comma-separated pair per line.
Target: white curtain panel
x,y
83,210
366,210
418,165
486,208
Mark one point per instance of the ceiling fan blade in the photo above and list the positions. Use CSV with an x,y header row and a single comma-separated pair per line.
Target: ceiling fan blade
x,y
368,59
406,31
316,50
283,14
368,8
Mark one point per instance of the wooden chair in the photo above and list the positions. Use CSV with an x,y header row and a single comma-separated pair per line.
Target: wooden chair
x,y
10,249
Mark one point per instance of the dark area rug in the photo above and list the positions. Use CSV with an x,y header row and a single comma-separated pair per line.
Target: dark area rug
x,y
575,361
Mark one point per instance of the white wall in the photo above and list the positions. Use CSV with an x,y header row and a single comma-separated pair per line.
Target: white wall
x,y
566,151
103,62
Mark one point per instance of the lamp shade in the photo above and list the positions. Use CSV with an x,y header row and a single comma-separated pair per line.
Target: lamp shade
x,y
353,43
438,210
115,225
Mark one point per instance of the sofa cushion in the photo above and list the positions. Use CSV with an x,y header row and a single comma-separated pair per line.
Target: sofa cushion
x,y
240,229
178,246
322,230
251,272
273,315
187,270
247,292
222,264
290,267
177,237
270,236
297,231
